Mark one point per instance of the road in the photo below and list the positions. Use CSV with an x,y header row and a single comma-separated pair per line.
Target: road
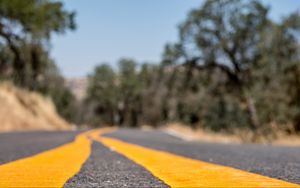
x,y
116,160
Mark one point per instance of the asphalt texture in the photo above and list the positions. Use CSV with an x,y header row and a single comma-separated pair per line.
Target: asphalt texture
x,y
18,145
106,168
277,162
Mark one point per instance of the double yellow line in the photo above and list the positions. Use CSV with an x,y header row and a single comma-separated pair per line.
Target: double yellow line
x,y
178,171
54,167
51,168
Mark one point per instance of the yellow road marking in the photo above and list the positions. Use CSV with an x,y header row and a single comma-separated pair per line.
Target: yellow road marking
x,y
178,171
51,168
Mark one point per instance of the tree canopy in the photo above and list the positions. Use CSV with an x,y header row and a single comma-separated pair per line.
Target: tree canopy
x,y
232,68
26,27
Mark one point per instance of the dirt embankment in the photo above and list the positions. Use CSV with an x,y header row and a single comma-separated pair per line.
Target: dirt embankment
x,y
21,110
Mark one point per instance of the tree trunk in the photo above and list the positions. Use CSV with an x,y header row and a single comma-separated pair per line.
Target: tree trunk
x,y
19,71
251,109
18,63
35,66
253,119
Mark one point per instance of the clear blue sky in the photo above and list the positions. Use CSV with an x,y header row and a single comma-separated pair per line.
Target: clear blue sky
x,y
111,29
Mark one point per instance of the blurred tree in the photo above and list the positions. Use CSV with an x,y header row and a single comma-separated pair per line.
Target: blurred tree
x,y
102,94
129,96
225,35
53,85
233,68
26,27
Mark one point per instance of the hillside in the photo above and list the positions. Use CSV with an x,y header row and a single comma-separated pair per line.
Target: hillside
x,y
77,86
21,110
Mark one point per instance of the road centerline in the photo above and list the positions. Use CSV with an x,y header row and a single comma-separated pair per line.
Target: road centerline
x,y
178,171
51,168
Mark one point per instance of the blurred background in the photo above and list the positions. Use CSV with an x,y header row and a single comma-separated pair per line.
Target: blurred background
x,y
223,68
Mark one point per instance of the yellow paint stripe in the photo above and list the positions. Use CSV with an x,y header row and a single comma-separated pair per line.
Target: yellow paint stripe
x,y
178,171
51,168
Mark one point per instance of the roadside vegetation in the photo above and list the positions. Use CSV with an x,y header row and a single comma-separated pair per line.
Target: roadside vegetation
x,y
26,28
232,70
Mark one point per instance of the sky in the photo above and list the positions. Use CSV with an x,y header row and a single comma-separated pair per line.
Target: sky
x,y
112,29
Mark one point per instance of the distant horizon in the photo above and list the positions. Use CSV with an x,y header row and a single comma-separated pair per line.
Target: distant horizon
x,y
110,30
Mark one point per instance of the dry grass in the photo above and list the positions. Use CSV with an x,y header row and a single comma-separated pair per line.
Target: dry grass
x,y
189,134
21,110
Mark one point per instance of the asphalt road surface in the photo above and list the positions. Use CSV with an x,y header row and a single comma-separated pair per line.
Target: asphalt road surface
x,y
18,145
107,168
278,162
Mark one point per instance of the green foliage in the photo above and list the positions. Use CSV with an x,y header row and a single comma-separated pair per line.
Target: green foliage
x,y
36,17
26,27
52,85
232,68
116,96
252,58
224,113
102,94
